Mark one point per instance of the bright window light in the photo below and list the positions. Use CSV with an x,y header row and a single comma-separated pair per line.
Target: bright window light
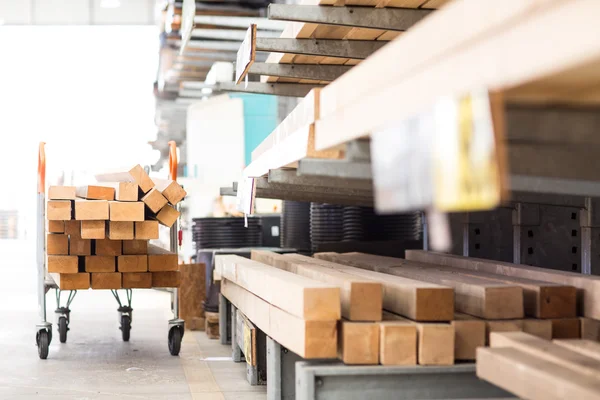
x,y
110,3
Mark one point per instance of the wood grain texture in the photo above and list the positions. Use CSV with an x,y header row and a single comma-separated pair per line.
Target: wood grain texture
x,y
160,259
76,281
100,264
358,342
566,328
106,247
167,216
62,264
132,263
55,226
119,230
166,279
135,247
93,229
154,200
146,230
58,210
91,209
62,193
93,192
590,329
397,343
80,247
123,191
57,244
172,190
588,348
137,280
105,280
73,228
136,175
468,335
192,291
126,211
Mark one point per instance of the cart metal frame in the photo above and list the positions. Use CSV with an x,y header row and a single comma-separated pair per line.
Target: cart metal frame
x,y
45,282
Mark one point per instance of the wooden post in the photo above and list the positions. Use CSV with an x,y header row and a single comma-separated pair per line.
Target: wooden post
x,y
135,247
132,263
92,192
63,264
126,211
154,200
80,247
100,264
358,342
61,193
135,280
91,209
397,343
146,230
93,229
57,244
106,247
120,230
58,210
106,280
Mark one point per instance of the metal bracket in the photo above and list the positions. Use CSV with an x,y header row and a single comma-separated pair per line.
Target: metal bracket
x,y
278,89
357,49
301,71
391,19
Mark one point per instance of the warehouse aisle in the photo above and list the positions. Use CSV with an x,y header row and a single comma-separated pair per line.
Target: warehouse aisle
x,y
95,363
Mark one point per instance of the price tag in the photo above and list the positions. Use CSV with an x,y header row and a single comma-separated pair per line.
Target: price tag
x,y
246,192
188,12
466,161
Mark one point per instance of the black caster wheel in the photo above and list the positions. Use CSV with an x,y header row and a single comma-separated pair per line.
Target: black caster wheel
x,y
62,329
175,340
43,342
125,327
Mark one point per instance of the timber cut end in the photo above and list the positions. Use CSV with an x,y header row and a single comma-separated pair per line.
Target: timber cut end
x,y
435,304
246,55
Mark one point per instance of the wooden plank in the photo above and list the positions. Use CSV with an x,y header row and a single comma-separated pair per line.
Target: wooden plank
x,y
62,193
146,230
417,300
473,295
160,259
132,263
538,327
57,245
80,247
167,216
295,294
588,348
106,247
547,350
135,247
590,329
55,226
246,54
126,211
62,264
358,342
120,230
566,328
172,190
105,280
531,377
588,301
93,192
100,264
192,291
435,343
137,280
75,281
135,175
91,209
73,228
58,210
468,335
154,200
166,279
93,229
124,191
361,299
308,339
541,299
397,343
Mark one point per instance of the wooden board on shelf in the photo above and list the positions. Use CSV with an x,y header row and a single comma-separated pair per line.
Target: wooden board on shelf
x,y
91,209
126,211
55,226
57,244
135,247
58,210
566,328
397,343
137,263
137,280
246,54
124,191
146,230
358,342
93,229
590,329
62,193
93,192
100,264
73,228
166,279
468,335
588,348
106,247
135,175
80,247
62,264
74,281
160,259
119,230
105,280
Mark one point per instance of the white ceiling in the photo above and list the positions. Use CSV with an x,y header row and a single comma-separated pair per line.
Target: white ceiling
x,y
77,12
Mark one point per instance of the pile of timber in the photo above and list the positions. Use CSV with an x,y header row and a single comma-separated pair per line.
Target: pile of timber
x,y
97,235
534,368
428,309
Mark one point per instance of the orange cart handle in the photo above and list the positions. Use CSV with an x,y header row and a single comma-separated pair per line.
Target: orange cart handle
x,y
173,163
42,168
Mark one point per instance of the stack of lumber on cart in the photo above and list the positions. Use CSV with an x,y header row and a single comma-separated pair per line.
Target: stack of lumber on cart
x,y
534,368
97,235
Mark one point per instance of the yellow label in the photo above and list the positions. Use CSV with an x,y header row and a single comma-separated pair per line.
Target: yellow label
x,y
248,345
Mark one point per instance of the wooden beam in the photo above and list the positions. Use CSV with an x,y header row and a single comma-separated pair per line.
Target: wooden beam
x,y
126,211
531,377
361,300
170,279
541,299
154,200
58,210
566,328
547,350
73,228
417,300
137,280
136,263
80,247
397,343
57,244
92,192
160,259
146,230
62,193
124,191
172,190
75,281
192,291
297,295
308,339
473,295
588,348
167,216
91,209
468,335
100,264
62,264
55,227
135,175
590,329
588,286
541,328
358,342
135,247
93,229
106,247
105,280
120,230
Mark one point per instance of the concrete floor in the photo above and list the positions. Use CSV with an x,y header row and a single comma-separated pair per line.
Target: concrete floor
x,y
95,363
